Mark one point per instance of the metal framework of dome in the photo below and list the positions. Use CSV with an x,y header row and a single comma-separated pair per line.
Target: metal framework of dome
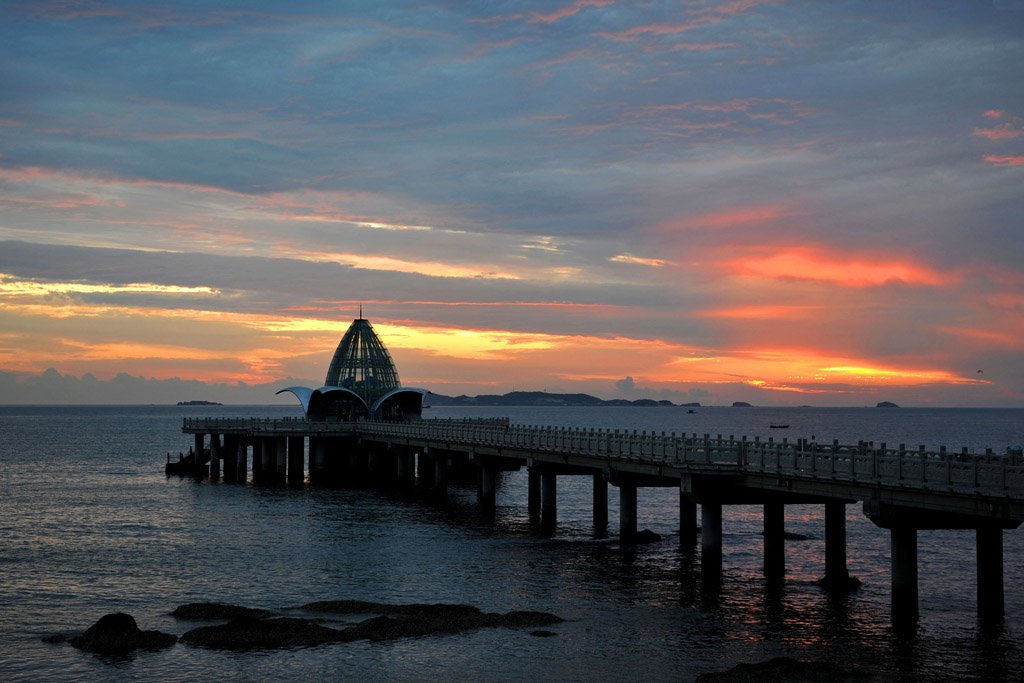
x,y
362,363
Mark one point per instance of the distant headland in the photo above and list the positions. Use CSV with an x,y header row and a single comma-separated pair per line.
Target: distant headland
x,y
199,403
543,398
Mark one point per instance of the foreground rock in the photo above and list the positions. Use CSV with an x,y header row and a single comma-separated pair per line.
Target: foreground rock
x,y
786,669
119,634
247,633
394,621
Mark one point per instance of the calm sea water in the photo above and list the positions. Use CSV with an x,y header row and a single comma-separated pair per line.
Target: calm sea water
x,y
90,525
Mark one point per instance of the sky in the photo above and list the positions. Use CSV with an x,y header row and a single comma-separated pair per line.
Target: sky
x,y
774,201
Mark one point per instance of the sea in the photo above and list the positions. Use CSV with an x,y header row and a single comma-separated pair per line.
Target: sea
x,y
90,524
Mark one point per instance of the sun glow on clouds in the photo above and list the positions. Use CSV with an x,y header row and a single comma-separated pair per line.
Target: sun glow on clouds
x,y
12,286
627,258
802,369
392,264
811,264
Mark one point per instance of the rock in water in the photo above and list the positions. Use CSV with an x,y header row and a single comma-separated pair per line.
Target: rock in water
x,y
786,669
646,536
118,634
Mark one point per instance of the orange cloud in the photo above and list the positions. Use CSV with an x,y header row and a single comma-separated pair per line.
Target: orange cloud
x,y
1007,130
810,264
802,369
759,312
1005,161
568,11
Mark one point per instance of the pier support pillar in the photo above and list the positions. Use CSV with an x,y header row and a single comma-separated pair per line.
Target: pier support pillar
x,y
533,492
774,540
441,476
627,513
990,573
548,501
241,456
600,504
215,456
317,451
197,462
230,453
711,541
904,573
268,458
485,491
282,458
687,520
402,468
836,573
296,458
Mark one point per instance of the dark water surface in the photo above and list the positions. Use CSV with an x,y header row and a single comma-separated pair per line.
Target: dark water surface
x,y
90,525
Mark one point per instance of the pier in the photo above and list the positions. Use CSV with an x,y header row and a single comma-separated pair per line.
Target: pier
x,y
902,490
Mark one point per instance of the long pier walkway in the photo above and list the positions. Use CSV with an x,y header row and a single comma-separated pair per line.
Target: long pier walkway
x,y
902,490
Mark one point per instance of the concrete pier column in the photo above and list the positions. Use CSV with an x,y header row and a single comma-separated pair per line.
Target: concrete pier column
x,y
268,458
215,456
282,458
687,520
198,450
230,454
486,489
441,476
627,512
990,574
548,500
711,541
241,456
318,456
904,573
600,504
836,573
533,492
296,457
774,540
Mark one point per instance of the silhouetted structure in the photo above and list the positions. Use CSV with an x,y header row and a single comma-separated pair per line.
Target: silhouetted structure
x,y
361,384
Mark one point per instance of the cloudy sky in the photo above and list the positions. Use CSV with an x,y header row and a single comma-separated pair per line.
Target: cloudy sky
x,y
778,201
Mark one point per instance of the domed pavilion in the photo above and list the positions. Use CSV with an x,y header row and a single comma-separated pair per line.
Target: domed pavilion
x,y
361,384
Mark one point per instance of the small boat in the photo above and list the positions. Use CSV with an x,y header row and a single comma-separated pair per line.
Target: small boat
x,y
691,410
774,426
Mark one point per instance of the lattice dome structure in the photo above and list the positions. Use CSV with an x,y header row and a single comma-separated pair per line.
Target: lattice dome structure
x,y
362,383
362,363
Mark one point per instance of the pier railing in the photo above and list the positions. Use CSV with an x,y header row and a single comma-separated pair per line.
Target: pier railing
x,y
990,473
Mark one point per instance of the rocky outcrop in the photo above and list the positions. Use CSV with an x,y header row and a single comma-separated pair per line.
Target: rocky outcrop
x,y
786,669
392,622
247,633
119,634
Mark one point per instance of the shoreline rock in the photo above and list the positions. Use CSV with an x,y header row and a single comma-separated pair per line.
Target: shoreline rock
x,y
787,669
119,634
249,632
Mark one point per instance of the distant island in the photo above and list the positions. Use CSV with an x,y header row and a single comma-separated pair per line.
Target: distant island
x,y
543,398
199,403
741,404
886,404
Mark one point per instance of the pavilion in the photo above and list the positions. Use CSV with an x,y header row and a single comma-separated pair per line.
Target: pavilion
x,y
362,383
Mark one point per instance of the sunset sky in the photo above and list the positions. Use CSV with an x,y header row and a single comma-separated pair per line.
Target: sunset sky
x,y
780,202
